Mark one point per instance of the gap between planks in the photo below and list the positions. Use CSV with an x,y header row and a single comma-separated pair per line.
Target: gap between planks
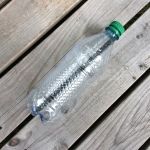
x,y
16,84
127,72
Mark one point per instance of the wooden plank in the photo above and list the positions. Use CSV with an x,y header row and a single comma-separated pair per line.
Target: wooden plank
x,y
18,83
15,85
21,77
23,23
123,70
128,127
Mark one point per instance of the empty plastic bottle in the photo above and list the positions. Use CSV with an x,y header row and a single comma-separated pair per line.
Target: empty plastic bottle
x,y
61,86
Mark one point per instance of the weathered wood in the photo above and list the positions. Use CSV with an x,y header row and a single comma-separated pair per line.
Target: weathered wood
x,y
23,23
128,127
130,59
15,85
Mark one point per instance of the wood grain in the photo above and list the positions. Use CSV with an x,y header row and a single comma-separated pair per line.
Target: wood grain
x,y
128,127
23,23
124,69
15,85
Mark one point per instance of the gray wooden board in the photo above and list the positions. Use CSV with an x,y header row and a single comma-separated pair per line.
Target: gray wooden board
x,y
15,85
130,59
128,127
22,23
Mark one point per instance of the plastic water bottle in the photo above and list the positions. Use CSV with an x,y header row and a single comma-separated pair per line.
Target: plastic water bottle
x,y
57,91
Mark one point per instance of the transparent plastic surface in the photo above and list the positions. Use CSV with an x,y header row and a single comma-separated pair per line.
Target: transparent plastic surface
x,y
56,92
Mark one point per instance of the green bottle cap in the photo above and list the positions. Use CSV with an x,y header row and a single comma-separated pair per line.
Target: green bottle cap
x,y
117,27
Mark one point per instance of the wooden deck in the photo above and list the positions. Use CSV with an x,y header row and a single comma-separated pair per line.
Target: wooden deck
x,y
113,114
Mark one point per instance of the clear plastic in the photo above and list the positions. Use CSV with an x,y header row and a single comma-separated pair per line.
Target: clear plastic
x,y
57,91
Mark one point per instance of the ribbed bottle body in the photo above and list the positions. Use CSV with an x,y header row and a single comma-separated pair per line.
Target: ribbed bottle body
x,y
59,88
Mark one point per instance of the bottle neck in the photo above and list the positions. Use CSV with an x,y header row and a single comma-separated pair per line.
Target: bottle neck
x,y
112,35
